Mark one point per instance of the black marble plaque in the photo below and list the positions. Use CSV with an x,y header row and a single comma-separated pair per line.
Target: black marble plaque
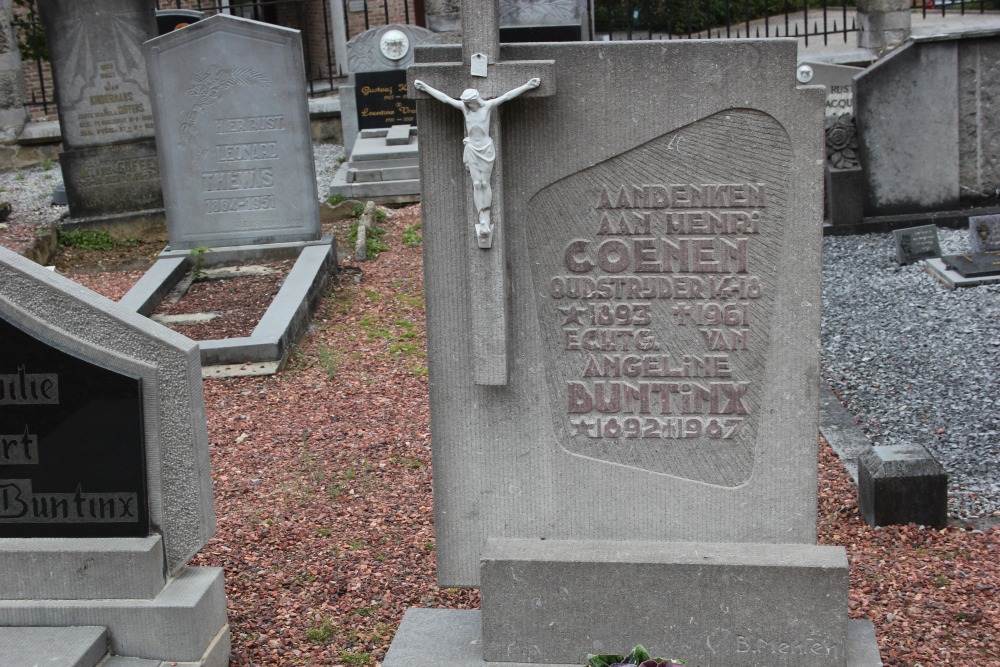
x,y
381,99
974,266
916,243
72,453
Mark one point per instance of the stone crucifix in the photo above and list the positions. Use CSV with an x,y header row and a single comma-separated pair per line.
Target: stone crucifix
x,y
487,82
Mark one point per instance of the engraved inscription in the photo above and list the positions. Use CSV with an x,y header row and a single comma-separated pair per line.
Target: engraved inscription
x,y
23,388
655,272
19,505
776,646
114,108
19,449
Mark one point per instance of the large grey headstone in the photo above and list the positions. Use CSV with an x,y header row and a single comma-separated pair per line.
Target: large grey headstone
x,y
109,153
929,125
107,493
655,441
232,124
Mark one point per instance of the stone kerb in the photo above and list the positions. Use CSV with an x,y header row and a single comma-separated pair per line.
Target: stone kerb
x,y
232,123
72,318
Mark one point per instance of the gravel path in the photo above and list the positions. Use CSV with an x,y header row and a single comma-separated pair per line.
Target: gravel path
x,y
917,363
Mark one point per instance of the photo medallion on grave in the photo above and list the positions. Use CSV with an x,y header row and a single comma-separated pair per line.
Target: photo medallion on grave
x,y
655,275
72,444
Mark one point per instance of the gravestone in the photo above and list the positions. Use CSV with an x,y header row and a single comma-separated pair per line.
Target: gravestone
x,y
984,233
641,465
838,81
108,159
233,126
929,124
236,156
105,488
916,243
375,97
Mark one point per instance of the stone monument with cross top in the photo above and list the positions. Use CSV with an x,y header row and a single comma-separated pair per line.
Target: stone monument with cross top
x,y
475,87
624,387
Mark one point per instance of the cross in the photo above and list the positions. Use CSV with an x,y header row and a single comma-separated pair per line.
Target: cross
x,y
496,82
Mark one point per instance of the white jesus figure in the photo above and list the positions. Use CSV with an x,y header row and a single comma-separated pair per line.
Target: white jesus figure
x,y
480,153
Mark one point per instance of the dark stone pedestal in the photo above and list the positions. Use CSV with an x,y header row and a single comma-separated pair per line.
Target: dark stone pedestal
x,y
844,196
902,484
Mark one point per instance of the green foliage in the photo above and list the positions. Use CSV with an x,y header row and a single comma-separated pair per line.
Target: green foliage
x,y
412,236
637,656
46,164
30,33
197,256
351,658
321,633
333,200
88,239
373,237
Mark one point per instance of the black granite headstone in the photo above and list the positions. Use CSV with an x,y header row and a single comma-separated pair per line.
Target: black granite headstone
x,y
72,454
916,243
974,266
381,99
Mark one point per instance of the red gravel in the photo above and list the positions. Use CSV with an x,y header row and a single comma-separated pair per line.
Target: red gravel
x,y
322,483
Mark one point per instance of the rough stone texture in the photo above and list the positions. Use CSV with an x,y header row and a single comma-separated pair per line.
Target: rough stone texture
x,y
979,120
907,115
233,129
508,462
984,233
56,647
899,484
13,114
64,314
555,601
452,637
105,117
929,124
185,622
84,568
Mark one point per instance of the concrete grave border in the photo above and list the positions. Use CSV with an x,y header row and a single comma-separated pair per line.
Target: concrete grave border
x,y
285,320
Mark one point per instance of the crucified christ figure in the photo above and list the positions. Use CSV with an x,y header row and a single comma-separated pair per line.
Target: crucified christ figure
x,y
480,153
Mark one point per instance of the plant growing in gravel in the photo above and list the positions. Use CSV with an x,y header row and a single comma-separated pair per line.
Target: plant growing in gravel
x,y
333,200
373,237
321,633
46,164
411,235
637,656
197,256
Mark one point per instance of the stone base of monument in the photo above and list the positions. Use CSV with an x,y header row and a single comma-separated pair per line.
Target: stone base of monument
x,y
900,484
383,167
732,605
285,320
953,279
116,585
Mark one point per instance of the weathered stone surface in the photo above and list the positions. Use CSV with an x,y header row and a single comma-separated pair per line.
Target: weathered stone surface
x,y
589,167
233,130
560,600
900,484
103,181
979,119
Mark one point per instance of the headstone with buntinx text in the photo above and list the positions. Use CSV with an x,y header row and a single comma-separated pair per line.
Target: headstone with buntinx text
x,y
105,488
624,406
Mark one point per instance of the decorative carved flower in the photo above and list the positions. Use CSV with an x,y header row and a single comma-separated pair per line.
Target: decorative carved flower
x,y
842,142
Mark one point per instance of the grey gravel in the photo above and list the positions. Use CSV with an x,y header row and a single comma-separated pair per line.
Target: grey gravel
x,y
916,363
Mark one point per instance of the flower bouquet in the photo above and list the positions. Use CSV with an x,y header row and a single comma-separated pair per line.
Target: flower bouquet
x,y
637,656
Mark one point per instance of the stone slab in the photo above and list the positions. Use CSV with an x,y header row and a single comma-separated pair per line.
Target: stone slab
x,y
844,196
74,319
106,180
524,461
81,568
953,279
916,243
57,647
699,602
900,484
841,431
40,132
974,266
375,148
907,117
233,129
99,73
452,638
180,624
